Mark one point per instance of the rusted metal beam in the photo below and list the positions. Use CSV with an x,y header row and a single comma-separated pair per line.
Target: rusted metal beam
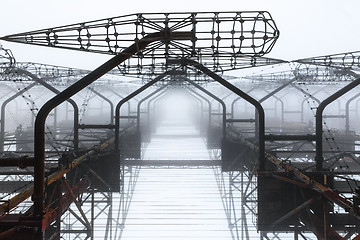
x,y
21,162
74,200
19,198
66,200
180,163
292,137
97,126
293,212
327,192
39,141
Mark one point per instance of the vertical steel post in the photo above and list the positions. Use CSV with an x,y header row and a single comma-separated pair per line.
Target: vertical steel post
x,y
92,214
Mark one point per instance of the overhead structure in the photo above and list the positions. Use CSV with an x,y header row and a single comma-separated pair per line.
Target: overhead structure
x,y
309,73
347,61
221,41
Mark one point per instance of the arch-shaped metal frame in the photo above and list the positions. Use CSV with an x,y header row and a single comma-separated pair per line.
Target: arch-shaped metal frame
x,y
319,119
2,117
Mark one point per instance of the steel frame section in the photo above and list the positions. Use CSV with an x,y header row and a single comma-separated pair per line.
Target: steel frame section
x,y
151,83
309,96
117,94
319,119
163,94
149,106
108,101
220,101
3,106
54,75
39,143
130,96
206,100
348,60
54,90
229,184
144,99
251,100
157,36
220,40
347,112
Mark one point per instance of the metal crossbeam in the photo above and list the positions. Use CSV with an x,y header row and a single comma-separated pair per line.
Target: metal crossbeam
x,y
165,163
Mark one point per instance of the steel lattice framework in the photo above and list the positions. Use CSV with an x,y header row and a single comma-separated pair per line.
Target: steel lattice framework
x,y
222,40
50,73
204,43
306,73
349,60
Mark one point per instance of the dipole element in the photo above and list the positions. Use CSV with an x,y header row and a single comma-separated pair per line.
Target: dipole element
x,y
249,32
220,40
349,60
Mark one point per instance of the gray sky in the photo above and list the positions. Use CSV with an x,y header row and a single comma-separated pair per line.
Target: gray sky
x,y
307,27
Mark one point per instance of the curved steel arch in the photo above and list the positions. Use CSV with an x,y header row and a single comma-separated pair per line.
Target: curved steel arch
x,y
251,100
39,139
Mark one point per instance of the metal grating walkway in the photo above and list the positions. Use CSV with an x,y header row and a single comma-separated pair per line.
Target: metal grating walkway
x,y
176,202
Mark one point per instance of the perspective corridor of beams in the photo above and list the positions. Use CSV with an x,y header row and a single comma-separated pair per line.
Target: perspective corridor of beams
x,y
80,172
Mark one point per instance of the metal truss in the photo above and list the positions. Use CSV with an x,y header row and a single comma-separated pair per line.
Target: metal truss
x,y
51,72
221,40
349,60
54,75
65,76
105,211
306,73
178,43
238,191
243,62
